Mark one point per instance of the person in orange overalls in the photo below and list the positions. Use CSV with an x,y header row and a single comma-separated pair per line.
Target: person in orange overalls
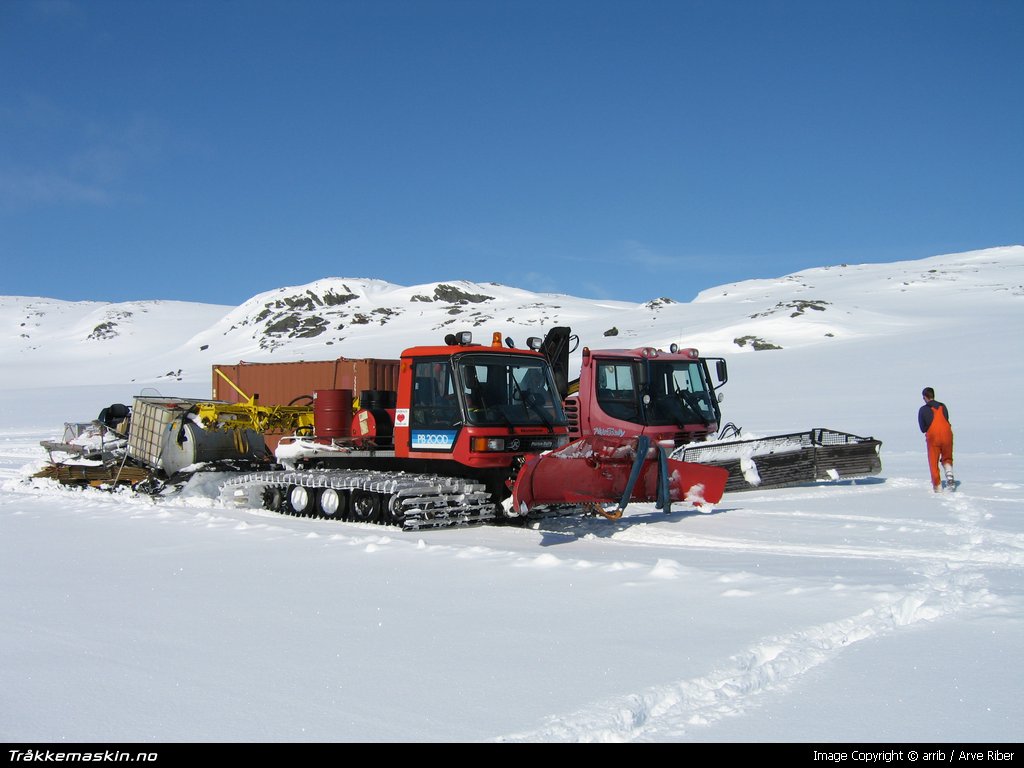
x,y
933,418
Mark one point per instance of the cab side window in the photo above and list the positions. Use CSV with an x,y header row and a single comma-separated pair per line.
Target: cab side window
x,y
435,403
616,393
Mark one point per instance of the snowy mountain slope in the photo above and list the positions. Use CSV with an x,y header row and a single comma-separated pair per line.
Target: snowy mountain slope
x,y
93,342
334,317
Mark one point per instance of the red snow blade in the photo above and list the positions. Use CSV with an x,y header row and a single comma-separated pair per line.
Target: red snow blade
x,y
601,471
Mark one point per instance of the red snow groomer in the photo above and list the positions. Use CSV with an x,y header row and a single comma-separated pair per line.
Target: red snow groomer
x,y
670,398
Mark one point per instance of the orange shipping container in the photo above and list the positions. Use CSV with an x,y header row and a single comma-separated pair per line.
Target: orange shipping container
x,y
294,383
287,383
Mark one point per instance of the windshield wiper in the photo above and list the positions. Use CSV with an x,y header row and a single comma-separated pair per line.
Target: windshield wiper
x,y
529,400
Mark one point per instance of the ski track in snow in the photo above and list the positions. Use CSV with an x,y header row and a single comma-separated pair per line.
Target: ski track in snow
x,y
971,554
677,711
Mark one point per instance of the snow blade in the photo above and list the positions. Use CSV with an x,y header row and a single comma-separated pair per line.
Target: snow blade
x,y
600,471
781,461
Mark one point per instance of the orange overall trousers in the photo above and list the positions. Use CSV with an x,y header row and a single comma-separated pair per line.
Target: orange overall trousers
x,y
939,439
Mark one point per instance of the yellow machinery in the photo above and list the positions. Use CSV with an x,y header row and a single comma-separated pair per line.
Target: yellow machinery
x,y
288,419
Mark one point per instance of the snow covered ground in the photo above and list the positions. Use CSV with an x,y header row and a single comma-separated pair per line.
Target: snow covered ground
x,y
866,611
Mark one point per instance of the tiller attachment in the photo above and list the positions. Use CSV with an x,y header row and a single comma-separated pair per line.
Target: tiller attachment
x,y
605,474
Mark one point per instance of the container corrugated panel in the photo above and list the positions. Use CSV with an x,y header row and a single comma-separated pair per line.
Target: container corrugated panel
x,y
152,420
286,383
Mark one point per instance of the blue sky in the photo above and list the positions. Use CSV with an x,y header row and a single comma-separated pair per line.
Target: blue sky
x,y
209,151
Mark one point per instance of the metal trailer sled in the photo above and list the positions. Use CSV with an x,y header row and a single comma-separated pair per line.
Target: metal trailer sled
x,y
782,461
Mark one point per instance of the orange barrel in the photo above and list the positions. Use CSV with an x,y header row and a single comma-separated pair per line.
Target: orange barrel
x,y
332,412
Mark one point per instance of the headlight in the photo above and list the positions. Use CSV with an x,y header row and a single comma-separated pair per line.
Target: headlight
x,y
487,444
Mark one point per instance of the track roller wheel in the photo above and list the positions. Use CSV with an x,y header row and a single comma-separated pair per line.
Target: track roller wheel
x,y
301,500
273,499
393,514
364,506
331,503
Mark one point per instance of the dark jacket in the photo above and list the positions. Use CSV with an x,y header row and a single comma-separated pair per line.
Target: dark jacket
x,y
925,414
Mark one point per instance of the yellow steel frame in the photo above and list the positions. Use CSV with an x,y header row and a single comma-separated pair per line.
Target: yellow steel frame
x,y
252,415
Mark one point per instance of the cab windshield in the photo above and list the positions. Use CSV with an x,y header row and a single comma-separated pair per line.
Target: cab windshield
x,y
678,394
508,391
656,392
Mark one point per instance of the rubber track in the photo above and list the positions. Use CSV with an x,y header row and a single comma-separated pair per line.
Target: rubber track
x,y
419,501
